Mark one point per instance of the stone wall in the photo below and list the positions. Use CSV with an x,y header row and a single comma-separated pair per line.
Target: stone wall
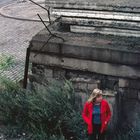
x,y
130,93
83,83
91,61
122,94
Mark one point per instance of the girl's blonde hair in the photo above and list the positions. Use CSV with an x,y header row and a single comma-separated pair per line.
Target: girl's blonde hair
x,y
96,92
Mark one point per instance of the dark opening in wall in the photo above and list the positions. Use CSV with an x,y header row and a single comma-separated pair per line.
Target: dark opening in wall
x,y
108,83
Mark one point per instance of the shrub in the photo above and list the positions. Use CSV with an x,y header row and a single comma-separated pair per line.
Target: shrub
x,y
6,61
45,113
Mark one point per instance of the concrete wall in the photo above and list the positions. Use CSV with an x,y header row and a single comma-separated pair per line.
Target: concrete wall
x,y
83,83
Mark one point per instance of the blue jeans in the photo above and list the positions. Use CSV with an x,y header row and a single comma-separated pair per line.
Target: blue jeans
x,y
96,135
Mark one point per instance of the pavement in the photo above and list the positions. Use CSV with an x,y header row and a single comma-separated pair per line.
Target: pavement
x,y
18,24
24,10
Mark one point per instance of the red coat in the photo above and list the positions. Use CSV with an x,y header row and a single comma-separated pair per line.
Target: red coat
x,y
105,115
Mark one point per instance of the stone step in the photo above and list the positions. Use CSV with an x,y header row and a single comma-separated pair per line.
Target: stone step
x,y
117,5
100,23
114,23
103,30
97,14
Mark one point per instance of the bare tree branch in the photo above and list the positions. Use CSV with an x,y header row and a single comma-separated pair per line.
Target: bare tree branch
x,y
49,30
44,45
48,10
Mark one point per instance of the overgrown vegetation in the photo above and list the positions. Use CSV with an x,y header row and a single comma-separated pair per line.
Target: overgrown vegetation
x,y
45,113
5,61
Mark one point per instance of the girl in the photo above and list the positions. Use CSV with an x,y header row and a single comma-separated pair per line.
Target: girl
x,y
96,114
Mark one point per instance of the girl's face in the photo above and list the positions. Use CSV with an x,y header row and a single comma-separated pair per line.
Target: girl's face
x,y
98,99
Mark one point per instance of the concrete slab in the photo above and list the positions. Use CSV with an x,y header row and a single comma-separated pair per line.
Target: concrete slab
x,y
105,48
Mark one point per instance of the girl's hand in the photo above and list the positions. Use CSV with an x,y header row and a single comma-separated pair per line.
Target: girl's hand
x,y
104,126
105,122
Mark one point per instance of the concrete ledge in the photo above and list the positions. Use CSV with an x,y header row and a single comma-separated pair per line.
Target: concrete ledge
x,y
86,65
89,53
103,30
131,84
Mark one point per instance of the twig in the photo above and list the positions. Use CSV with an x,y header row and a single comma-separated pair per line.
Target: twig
x,y
44,45
49,17
48,10
50,33
49,30
44,24
40,5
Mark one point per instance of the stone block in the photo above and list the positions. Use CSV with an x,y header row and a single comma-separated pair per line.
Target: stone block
x,y
85,75
80,86
129,83
130,94
78,79
59,73
48,73
38,69
83,86
92,86
109,83
85,80
71,74
123,83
